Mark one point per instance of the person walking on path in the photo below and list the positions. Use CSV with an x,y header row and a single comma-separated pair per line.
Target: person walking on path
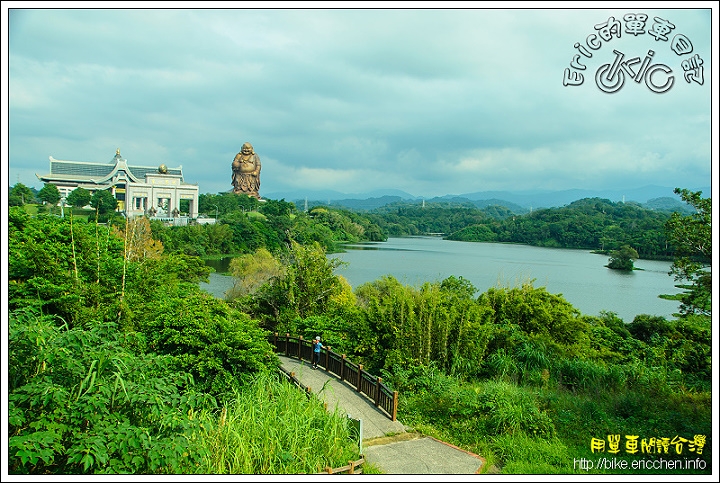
x,y
317,346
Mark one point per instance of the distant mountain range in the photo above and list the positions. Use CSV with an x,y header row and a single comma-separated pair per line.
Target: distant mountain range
x,y
655,197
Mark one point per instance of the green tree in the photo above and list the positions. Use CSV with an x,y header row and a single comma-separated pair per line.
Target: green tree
x,y
277,208
305,288
215,343
307,231
62,265
79,197
251,271
312,279
247,236
49,194
539,313
436,325
15,200
103,201
22,193
219,238
692,238
622,259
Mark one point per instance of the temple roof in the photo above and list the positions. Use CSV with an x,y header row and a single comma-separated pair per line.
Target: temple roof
x,y
81,171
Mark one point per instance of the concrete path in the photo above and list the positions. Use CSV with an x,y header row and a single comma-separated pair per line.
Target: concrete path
x,y
340,394
386,444
421,455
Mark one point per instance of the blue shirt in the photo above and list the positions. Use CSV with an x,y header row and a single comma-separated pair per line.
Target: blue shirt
x,y
318,346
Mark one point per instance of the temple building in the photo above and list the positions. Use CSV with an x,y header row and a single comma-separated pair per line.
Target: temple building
x,y
156,192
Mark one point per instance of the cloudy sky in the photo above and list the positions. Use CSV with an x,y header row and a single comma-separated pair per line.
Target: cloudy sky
x,y
429,101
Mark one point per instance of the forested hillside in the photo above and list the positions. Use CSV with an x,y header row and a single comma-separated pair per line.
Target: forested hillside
x,y
591,223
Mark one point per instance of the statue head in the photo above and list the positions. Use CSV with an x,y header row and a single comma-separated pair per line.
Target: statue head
x,y
247,149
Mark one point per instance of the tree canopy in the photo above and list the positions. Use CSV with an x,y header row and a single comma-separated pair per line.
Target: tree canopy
x,y
79,197
103,201
691,235
20,195
622,259
49,194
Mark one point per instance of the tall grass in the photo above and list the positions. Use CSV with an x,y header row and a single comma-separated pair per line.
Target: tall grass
x,y
271,427
525,455
511,409
527,429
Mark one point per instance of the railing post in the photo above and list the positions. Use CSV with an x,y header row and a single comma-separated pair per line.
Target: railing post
x,y
275,341
395,405
344,371
377,390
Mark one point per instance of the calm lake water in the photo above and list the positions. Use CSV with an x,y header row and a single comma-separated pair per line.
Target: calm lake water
x,y
579,276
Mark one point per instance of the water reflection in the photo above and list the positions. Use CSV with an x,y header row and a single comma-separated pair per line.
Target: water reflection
x,y
220,265
374,247
218,284
385,246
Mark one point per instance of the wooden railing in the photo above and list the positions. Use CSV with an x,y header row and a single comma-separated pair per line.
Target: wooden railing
x,y
345,370
290,376
352,468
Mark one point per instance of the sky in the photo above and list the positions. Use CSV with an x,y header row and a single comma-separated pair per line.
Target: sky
x,y
442,98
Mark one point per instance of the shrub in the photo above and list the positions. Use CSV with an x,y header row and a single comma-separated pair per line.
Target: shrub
x,y
511,410
87,405
503,366
218,345
580,374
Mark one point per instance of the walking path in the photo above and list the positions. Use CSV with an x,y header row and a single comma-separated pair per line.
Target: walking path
x,y
385,443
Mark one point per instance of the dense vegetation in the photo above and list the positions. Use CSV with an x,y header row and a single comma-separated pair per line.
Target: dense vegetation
x,y
120,364
245,224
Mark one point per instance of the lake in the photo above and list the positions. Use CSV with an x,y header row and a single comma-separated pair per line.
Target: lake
x,y
578,275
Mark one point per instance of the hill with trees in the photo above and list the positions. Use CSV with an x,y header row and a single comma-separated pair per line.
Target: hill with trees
x,y
592,223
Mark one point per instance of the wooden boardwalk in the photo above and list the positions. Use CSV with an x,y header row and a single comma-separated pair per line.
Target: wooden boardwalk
x,y
385,442
341,395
